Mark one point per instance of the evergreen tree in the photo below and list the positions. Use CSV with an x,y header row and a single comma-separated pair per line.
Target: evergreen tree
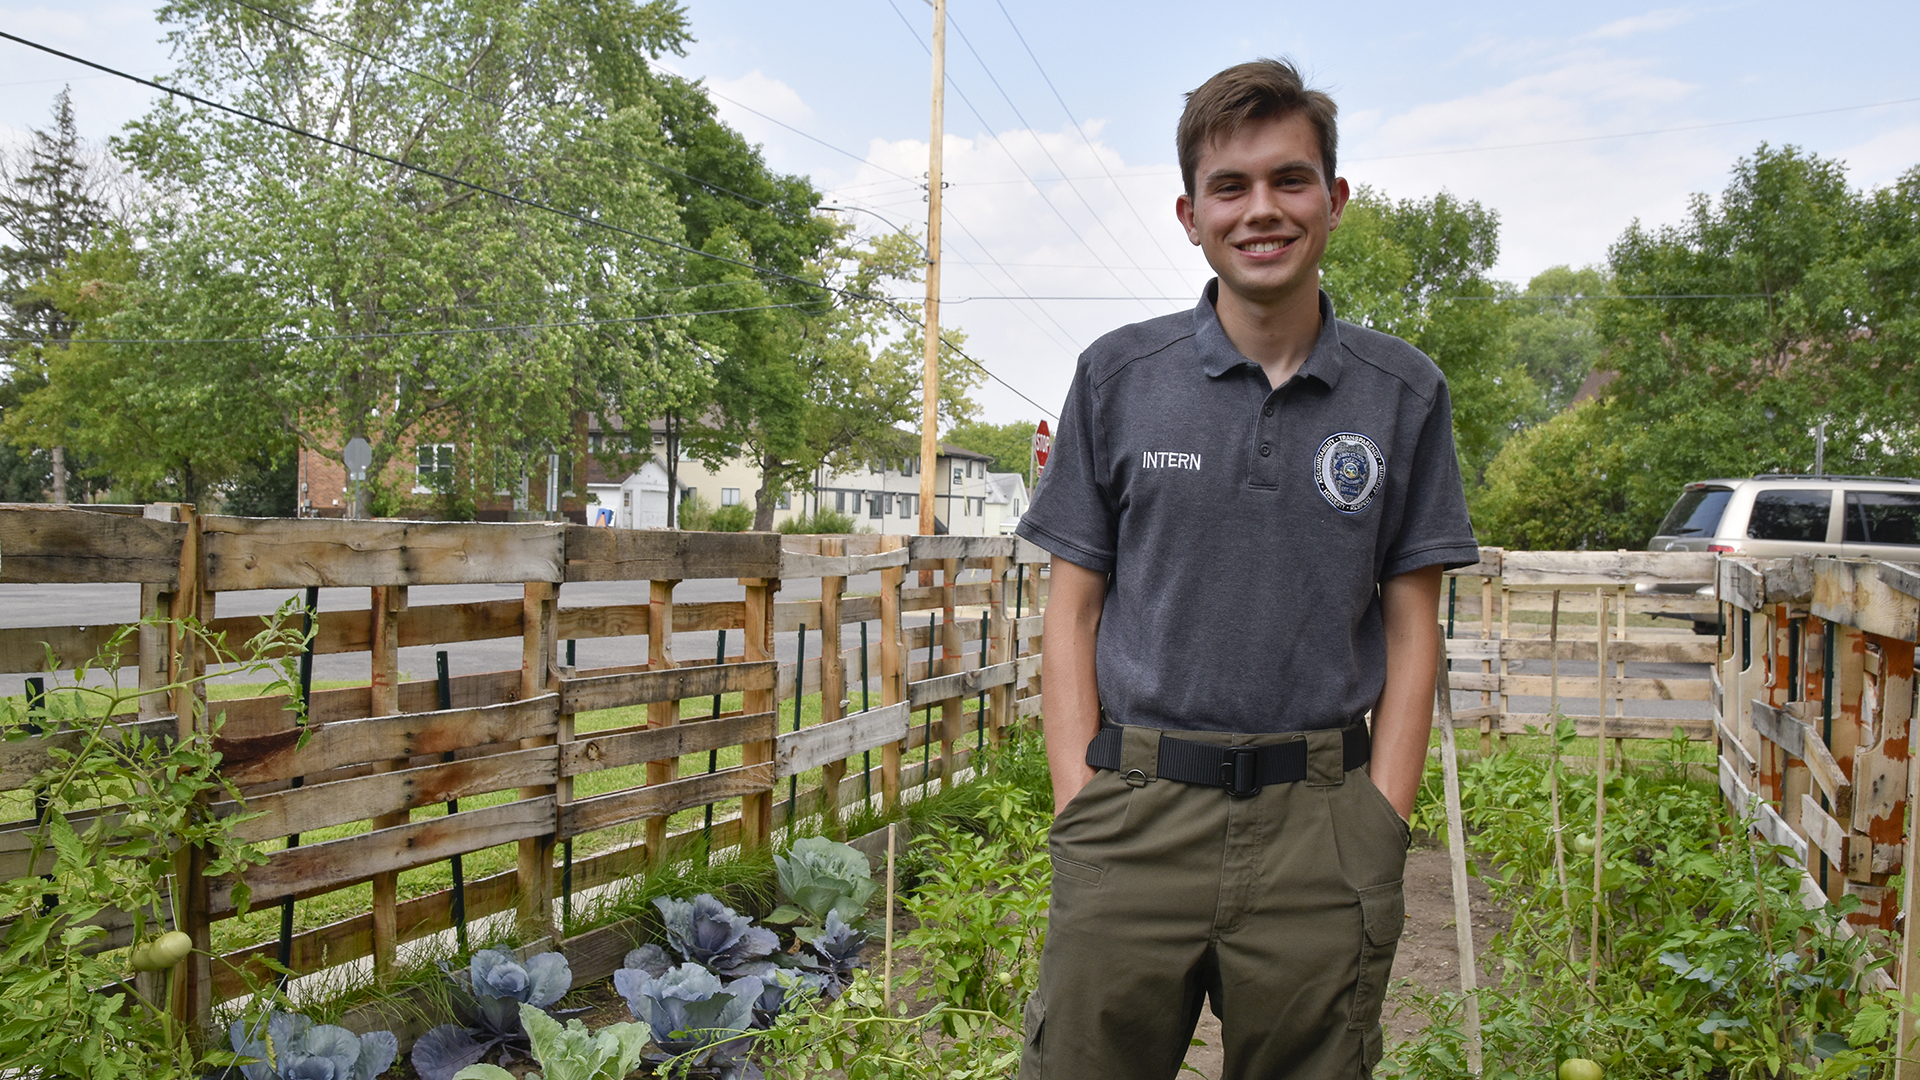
x,y
53,199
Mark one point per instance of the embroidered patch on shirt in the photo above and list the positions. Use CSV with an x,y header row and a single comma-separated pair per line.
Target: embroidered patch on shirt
x,y
1348,469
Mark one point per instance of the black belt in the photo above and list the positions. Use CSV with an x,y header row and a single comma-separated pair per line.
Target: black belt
x,y
1242,770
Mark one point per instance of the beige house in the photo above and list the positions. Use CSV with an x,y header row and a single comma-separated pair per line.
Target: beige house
x,y
881,497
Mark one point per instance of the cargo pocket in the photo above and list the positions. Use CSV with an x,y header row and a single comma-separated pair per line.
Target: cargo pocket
x,y
1383,910
1032,1065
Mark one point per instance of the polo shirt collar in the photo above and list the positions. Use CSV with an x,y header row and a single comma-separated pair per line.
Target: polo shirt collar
x,y
1218,355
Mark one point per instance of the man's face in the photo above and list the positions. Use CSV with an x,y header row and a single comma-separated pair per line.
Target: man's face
x,y
1262,209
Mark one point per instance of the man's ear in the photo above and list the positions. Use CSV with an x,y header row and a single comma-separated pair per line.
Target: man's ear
x,y
1183,209
1339,194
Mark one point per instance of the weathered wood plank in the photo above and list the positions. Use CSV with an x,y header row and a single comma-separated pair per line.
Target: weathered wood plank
x,y
332,864
21,761
1789,581
1587,727
1700,651
1824,833
278,756
1730,740
1904,579
1488,566
25,648
795,564
936,689
659,800
318,806
935,549
670,684
1782,730
1853,592
810,748
251,717
1588,686
1026,552
632,746
1742,584
1465,648
45,545
288,553
1826,773
652,555
1586,569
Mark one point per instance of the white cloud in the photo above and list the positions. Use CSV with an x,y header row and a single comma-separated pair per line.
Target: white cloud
x,y
1659,19
763,95
1881,160
1016,225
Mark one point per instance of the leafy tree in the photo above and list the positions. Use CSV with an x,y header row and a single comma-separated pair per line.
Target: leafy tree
x,y
1792,300
833,383
364,299
56,193
1010,445
1417,269
1552,330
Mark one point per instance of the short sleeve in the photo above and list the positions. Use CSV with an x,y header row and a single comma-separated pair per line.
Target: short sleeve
x,y
1072,514
1434,526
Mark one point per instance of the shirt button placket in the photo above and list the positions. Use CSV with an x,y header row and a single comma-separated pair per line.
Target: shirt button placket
x,y
1266,470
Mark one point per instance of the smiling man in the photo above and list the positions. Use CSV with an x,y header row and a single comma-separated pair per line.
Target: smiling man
x,y
1250,507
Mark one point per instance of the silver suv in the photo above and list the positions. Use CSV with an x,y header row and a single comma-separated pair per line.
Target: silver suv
x,y
1780,514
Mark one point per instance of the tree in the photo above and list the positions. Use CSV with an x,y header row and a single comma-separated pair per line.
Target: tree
x,y
56,194
831,383
1553,336
360,298
1417,269
1010,445
1790,301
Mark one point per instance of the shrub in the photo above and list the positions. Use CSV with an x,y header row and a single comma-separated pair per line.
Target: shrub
x,y
735,518
823,522
695,514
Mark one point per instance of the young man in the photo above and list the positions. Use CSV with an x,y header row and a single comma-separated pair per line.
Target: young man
x,y
1250,507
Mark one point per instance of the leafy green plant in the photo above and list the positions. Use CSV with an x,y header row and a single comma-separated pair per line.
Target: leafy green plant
x,y
571,1052
820,522
293,1047
857,1037
735,518
982,910
818,876
697,1022
114,805
1708,963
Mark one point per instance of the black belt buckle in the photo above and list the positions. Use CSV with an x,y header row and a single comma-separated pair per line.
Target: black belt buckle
x,y
1240,772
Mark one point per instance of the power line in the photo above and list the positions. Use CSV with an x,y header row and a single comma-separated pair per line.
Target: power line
x,y
1024,122
1077,126
373,335
482,189
1006,150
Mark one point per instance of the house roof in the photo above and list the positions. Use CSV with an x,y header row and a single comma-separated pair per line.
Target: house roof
x,y
1006,486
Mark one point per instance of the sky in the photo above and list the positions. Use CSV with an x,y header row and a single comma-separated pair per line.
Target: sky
x,y
1571,121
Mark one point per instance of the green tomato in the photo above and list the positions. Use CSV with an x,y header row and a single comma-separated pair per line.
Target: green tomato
x,y
1582,845
164,951
142,958
1580,1069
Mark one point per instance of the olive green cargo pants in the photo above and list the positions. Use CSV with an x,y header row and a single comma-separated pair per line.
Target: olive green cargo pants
x,y
1283,910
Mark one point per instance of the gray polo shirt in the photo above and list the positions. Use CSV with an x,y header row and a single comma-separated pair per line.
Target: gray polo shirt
x,y
1245,529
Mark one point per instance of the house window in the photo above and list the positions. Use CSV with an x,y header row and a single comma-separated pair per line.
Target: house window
x,y
783,502
729,496
687,493
906,506
839,502
853,503
876,504
966,507
433,470
979,508
956,474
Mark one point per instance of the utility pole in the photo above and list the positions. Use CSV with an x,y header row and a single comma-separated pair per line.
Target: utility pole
x,y
930,406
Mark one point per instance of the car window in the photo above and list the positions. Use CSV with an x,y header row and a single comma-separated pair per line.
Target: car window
x,y
1697,513
1800,516
1883,517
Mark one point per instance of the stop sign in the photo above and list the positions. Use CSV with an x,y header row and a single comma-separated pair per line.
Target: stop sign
x,y
1042,442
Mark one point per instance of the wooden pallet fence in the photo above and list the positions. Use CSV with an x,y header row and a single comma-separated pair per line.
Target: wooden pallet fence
x,y
378,760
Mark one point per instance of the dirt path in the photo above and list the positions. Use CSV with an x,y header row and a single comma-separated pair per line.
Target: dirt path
x,y
1427,957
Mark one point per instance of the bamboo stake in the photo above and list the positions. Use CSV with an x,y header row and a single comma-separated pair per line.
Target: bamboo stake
x,y
886,978
1553,758
1599,789
1457,855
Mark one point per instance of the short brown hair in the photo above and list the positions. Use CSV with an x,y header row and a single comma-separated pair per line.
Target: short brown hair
x,y
1252,91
